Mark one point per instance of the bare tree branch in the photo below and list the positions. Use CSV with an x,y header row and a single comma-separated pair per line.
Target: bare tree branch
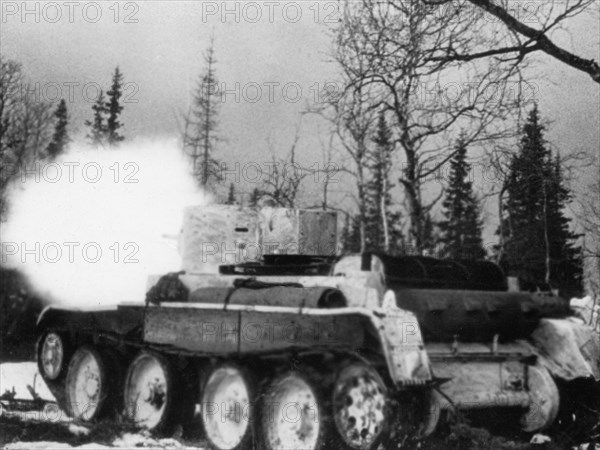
x,y
538,38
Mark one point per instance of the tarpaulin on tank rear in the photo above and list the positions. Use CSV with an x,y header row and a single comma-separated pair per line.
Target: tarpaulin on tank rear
x,y
423,272
477,315
305,297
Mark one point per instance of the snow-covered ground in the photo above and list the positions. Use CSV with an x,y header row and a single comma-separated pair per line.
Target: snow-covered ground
x,y
127,441
20,376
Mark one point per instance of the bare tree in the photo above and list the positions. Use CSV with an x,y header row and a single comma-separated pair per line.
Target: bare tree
x,y
285,177
328,173
11,81
398,57
522,39
25,124
352,118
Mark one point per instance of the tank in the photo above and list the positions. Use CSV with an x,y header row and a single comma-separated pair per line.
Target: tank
x,y
266,338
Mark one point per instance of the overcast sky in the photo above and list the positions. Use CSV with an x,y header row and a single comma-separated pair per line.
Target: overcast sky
x,y
158,46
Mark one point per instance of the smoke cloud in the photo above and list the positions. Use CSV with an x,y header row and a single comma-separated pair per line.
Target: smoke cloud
x,y
89,228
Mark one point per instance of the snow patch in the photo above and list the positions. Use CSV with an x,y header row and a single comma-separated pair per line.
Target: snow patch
x,y
132,440
586,308
78,430
19,376
42,445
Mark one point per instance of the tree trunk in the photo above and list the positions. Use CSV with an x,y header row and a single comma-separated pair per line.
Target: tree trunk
x,y
384,219
415,214
501,241
546,237
361,208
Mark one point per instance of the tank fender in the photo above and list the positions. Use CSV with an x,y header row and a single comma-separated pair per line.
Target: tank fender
x,y
42,315
49,314
568,348
210,329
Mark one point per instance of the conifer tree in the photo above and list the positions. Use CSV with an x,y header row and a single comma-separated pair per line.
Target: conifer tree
x,y
566,264
231,195
540,249
114,109
525,249
97,133
381,221
60,138
200,134
254,198
461,226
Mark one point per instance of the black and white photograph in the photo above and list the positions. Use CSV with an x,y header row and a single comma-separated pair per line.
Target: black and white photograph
x,y
300,225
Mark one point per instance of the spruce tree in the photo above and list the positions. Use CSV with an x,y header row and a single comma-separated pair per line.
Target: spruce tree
x,y
231,195
382,222
525,247
254,198
114,109
60,138
200,134
461,227
539,247
566,265
97,133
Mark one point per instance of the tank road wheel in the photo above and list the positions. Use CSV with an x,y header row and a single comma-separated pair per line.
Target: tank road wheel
x,y
359,406
290,415
225,402
52,355
150,392
544,400
87,384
